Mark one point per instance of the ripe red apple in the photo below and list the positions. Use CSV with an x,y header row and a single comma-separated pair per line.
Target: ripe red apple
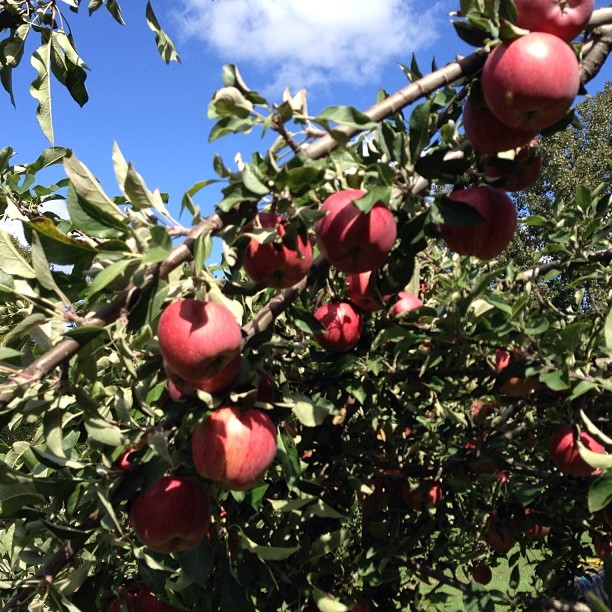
x,y
488,134
607,514
426,494
482,573
564,451
480,410
530,82
198,339
563,18
488,239
518,173
178,388
138,598
603,547
273,263
351,240
234,447
172,514
360,293
515,386
343,324
535,529
406,302
497,536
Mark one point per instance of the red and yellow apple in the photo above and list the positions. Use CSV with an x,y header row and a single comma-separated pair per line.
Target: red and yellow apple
x,y
530,82
405,303
489,238
360,294
343,326
198,339
172,514
351,240
234,447
274,264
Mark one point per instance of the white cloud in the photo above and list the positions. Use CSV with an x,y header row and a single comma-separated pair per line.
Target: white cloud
x,y
301,43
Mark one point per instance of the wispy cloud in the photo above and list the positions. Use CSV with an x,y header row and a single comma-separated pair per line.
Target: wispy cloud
x,y
301,43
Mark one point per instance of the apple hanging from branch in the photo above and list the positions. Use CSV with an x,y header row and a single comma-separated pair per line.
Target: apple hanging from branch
x,y
343,325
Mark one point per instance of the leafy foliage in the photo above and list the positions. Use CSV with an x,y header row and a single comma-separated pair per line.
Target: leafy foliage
x,y
418,402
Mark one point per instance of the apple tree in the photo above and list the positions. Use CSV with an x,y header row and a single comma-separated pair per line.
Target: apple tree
x,y
362,402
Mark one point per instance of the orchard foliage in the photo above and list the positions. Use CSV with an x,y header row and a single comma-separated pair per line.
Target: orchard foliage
x,y
403,465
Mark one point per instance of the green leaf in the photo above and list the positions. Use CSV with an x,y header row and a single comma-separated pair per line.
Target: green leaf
x,y
92,220
11,260
379,193
457,213
596,460
40,89
197,563
43,272
103,431
600,492
8,353
165,46
346,115
136,190
109,274
268,553
328,603
13,497
229,102
608,330
24,326
88,187
309,413
419,129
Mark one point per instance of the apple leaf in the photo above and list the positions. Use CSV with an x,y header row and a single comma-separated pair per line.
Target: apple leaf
x,y
608,330
268,553
328,603
308,413
600,492
596,460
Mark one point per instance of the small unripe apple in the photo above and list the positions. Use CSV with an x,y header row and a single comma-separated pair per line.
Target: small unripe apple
x,y
198,339
482,573
563,18
360,293
171,515
273,263
234,447
343,326
530,82
406,302
489,238
564,451
351,240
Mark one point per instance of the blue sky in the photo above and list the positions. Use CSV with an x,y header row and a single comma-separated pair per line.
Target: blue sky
x,y
342,51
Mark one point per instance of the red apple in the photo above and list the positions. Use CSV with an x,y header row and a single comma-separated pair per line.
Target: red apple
x,y
603,547
274,264
518,173
607,514
482,573
563,18
535,530
406,302
234,447
564,451
488,134
361,606
211,384
515,386
360,293
351,240
480,410
343,324
498,537
530,82
489,238
171,515
198,339
426,494
139,598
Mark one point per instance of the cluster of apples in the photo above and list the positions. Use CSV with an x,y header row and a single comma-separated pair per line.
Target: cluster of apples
x,y
527,84
353,241
200,342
